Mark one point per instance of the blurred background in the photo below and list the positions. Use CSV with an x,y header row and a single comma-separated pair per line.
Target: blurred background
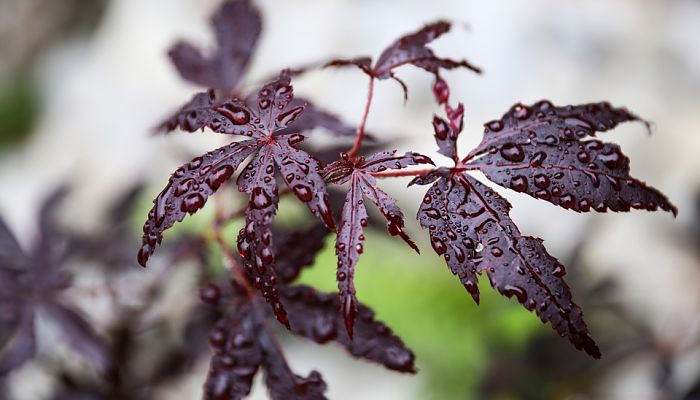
x,y
83,83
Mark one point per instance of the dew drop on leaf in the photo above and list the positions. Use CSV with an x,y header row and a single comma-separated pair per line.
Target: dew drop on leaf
x,y
512,152
192,203
519,183
303,193
259,198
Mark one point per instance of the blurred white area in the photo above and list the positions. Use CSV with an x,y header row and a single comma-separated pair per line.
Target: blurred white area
x,y
104,94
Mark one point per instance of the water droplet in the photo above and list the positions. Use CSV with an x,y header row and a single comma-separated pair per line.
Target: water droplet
x,y
521,111
363,222
427,199
512,152
518,183
613,159
538,158
517,291
496,252
195,163
584,205
267,256
359,248
432,213
184,187
541,181
440,127
459,254
192,203
495,126
578,123
543,194
559,271
567,201
236,114
260,199
438,245
551,140
218,177
594,145
303,193
296,138
264,103
583,156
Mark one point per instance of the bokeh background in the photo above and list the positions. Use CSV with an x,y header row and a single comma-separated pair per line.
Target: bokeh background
x,y
83,82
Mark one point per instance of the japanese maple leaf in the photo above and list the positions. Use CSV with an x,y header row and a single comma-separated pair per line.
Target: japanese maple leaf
x,y
32,283
409,49
349,242
192,184
237,25
539,150
243,343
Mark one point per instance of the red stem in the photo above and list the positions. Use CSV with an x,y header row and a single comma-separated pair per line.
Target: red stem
x,y
361,128
396,173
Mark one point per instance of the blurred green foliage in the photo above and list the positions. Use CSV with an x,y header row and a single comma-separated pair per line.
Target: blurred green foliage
x,y
19,108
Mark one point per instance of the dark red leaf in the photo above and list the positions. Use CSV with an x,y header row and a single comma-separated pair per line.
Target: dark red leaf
x,y
470,227
188,190
301,173
237,355
232,117
299,170
315,315
297,249
447,131
548,124
255,239
539,150
282,383
349,242
78,334
237,25
411,49
577,175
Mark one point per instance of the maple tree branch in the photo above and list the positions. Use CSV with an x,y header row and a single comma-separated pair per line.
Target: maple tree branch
x,y
361,128
398,173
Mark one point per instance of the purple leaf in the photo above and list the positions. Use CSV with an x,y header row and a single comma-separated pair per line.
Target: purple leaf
x,y
410,49
237,26
231,117
78,334
349,242
470,227
188,190
237,355
297,249
315,315
282,383
540,150
548,124
578,175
